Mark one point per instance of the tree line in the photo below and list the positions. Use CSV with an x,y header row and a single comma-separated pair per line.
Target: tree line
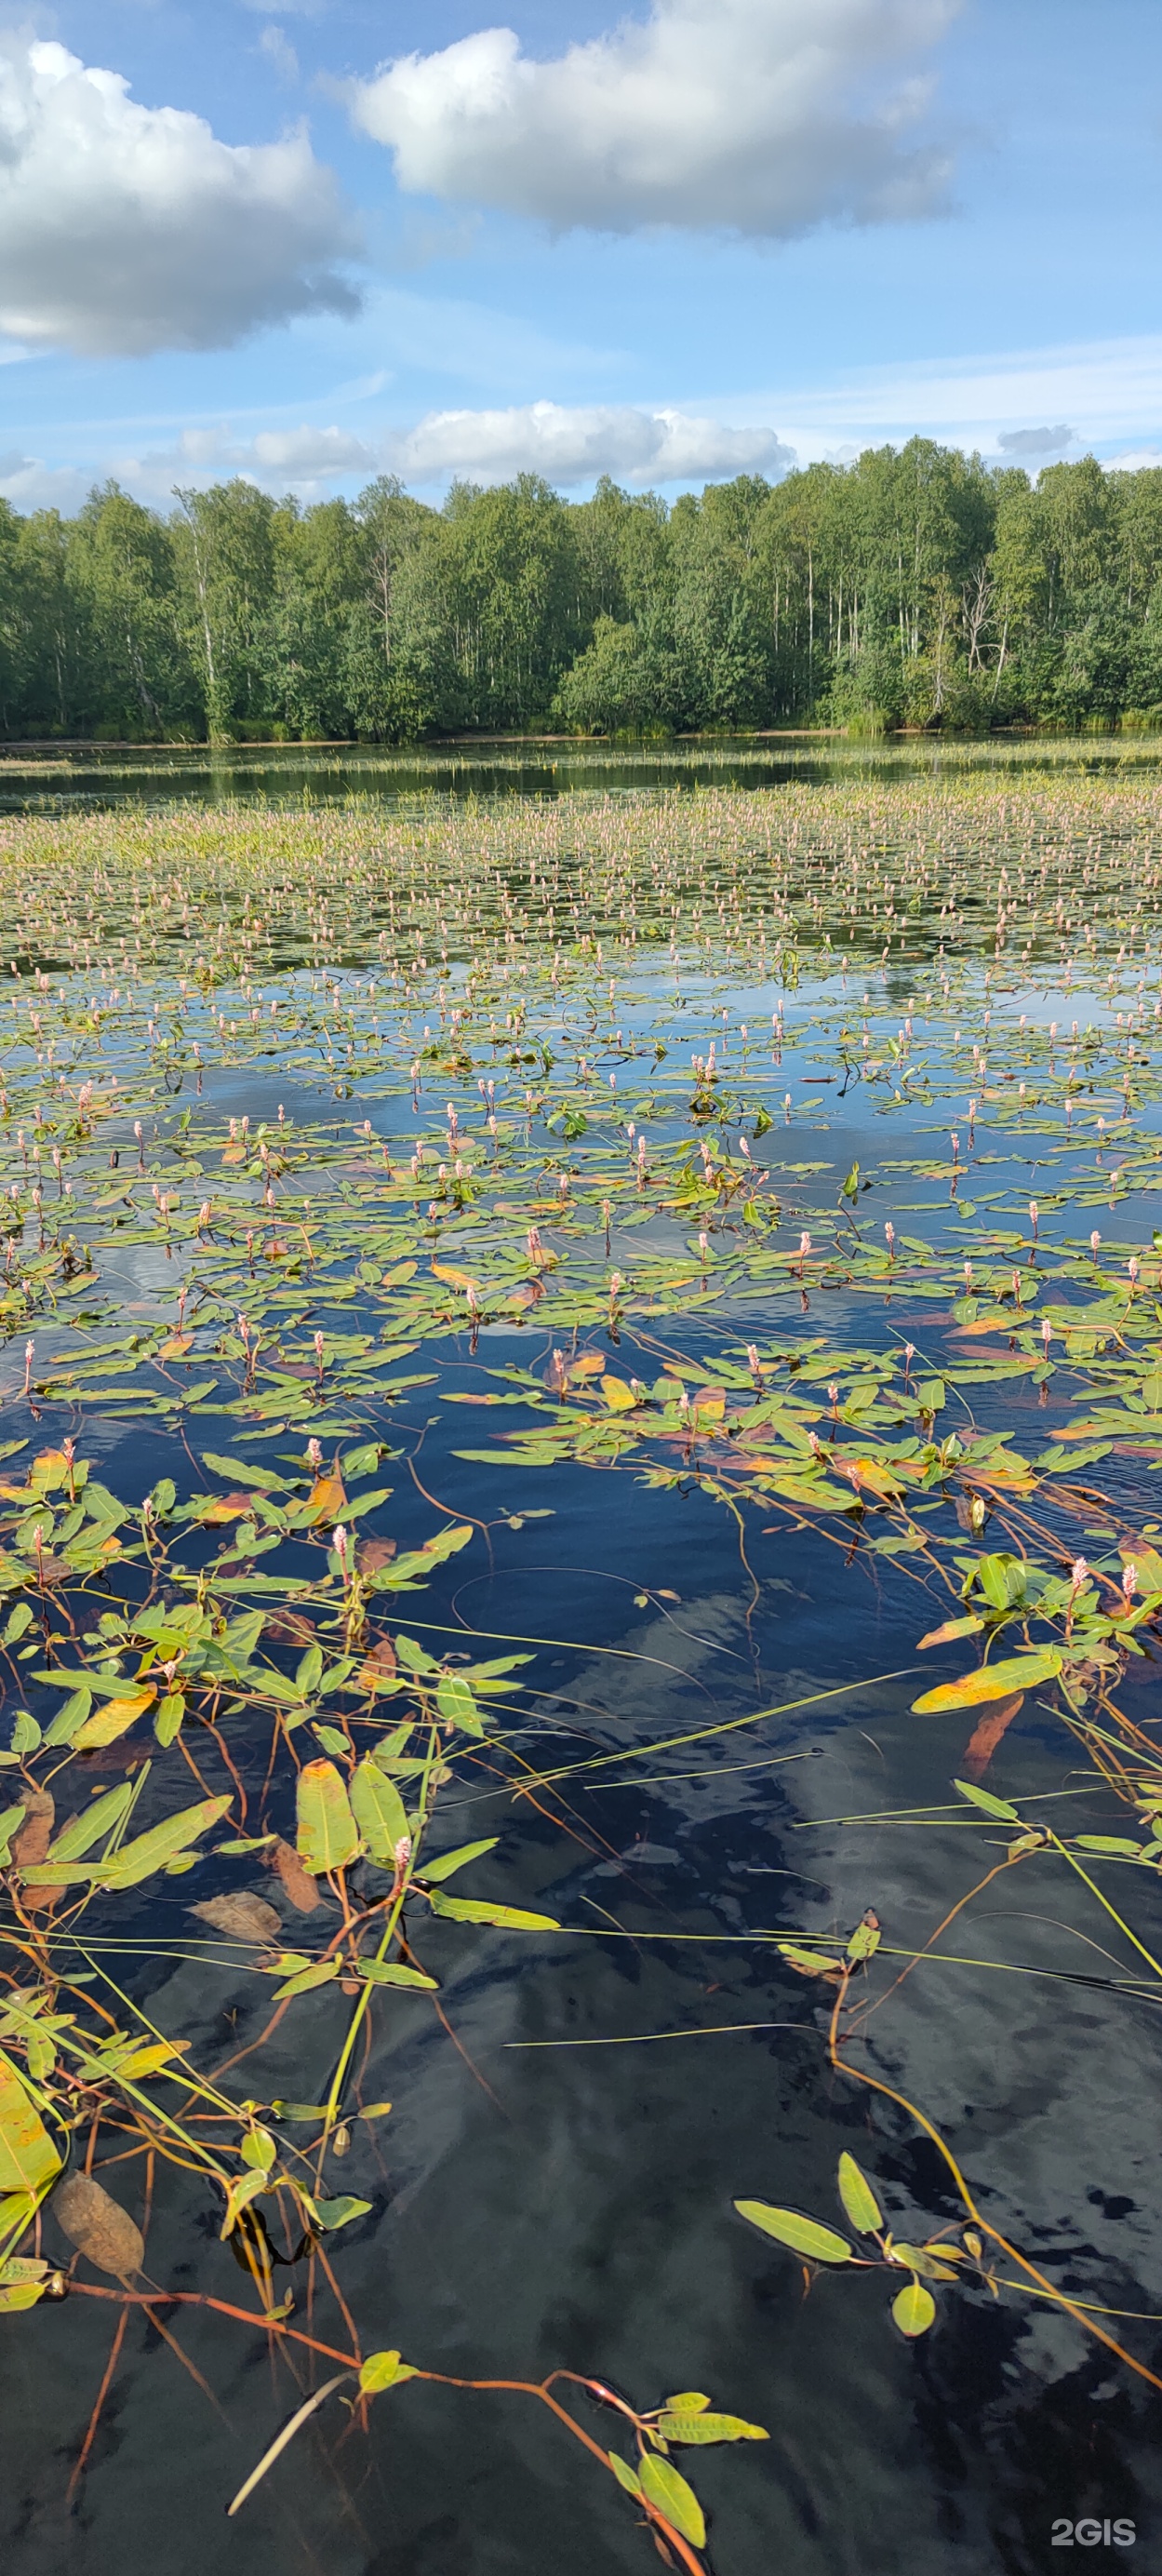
x,y
915,586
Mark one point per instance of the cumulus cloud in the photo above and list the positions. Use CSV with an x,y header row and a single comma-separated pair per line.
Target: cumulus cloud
x,y
763,117
125,229
1036,442
571,444
567,445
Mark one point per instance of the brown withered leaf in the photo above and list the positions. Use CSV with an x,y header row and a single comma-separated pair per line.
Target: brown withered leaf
x,y
374,1553
33,1839
98,2226
983,1741
244,1917
378,1666
302,1889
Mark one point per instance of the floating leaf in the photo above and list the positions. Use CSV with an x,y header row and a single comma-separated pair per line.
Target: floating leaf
x,y
858,2198
383,2370
507,1918
28,2158
678,2425
989,1805
914,2309
803,2235
241,1918
98,2226
391,1972
991,1681
106,1724
340,2212
811,1963
663,2487
328,1837
321,1972
949,1632
433,1871
379,1811
297,1884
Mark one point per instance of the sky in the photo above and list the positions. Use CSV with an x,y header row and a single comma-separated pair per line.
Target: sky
x,y
311,241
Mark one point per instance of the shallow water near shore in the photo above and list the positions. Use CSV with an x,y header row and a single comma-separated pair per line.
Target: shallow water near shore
x,y
728,1222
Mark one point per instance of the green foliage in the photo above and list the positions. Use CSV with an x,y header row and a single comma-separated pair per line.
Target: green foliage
x,y
914,586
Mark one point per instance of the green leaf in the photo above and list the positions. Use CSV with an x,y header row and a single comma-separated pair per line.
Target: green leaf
x,y
508,1918
28,2158
991,1681
803,2235
914,2309
690,2401
238,1471
432,1871
383,2370
858,2198
320,1973
139,1859
327,1835
457,1706
704,2429
340,2212
810,1963
71,1718
309,1671
1108,1843
136,1860
663,2487
81,1832
624,2474
391,1972
379,1811
989,1805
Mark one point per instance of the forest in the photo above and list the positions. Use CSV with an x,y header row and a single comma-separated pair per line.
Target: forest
x,y
914,587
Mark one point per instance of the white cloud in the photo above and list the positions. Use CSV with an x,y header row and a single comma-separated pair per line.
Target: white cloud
x,y
125,229
572,444
567,445
761,116
1109,391
27,483
280,54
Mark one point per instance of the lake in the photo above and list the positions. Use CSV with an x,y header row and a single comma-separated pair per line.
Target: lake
x,y
553,1304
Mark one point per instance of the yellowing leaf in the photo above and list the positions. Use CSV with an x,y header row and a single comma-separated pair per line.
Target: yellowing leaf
x,y
328,1497
447,1271
619,1397
328,1837
28,2158
116,1718
990,1681
947,1634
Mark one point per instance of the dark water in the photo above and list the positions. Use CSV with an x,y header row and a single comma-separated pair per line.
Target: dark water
x,y
544,2203
92,777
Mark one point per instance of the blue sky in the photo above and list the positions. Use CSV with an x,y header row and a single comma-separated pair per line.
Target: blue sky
x,y
316,241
